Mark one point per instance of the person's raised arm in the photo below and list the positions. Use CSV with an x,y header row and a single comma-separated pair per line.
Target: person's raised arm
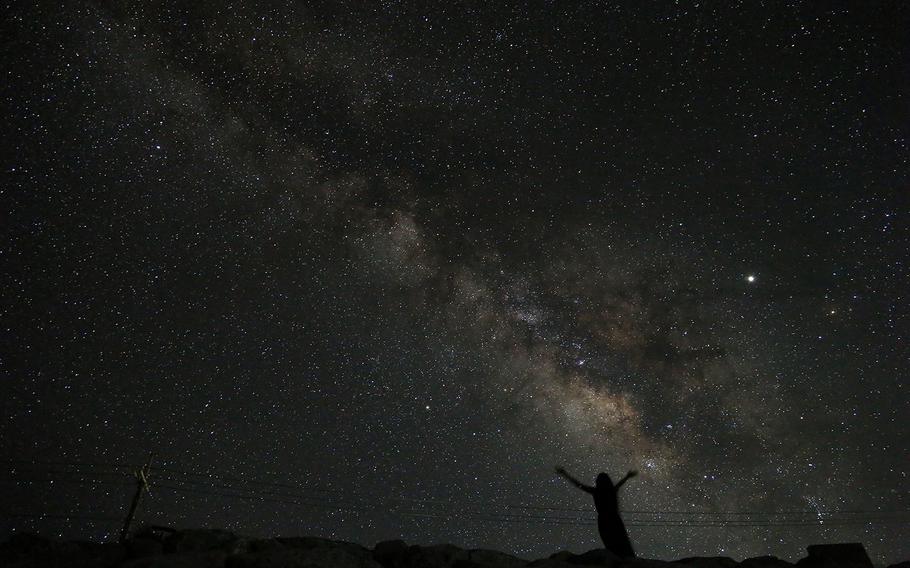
x,y
561,471
630,475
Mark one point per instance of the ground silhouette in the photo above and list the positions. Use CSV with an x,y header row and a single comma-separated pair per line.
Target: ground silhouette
x,y
212,548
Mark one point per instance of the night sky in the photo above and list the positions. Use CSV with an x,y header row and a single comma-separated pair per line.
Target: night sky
x,y
404,259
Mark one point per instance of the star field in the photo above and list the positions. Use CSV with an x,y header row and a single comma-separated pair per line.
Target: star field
x,y
401,260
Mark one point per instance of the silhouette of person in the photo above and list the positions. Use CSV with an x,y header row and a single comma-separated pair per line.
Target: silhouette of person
x,y
609,523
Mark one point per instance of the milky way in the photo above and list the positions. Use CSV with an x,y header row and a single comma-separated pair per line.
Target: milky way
x,y
404,261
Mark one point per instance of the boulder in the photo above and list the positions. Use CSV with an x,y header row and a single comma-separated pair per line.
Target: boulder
x,y
265,545
550,563
316,557
844,555
302,552
564,558
765,562
561,556
223,549
435,556
25,550
707,562
203,540
480,558
207,559
103,555
397,554
645,563
390,553
142,547
596,557
557,560
309,542
26,544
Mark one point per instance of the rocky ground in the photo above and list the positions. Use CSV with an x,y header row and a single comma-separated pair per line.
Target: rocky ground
x,y
206,548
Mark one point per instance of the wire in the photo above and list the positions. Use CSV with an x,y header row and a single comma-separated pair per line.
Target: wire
x,y
539,507
71,472
695,518
60,516
242,480
475,515
707,517
72,464
79,482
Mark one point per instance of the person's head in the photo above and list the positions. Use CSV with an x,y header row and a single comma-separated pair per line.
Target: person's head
x,y
603,480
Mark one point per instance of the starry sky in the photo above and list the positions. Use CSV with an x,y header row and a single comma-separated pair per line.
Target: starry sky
x,y
403,258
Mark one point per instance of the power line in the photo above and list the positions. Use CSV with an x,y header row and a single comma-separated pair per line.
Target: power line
x,y
78,481
59,516
542,507
116,465
531,519
243,480
703,518
70,472
251,494
820,518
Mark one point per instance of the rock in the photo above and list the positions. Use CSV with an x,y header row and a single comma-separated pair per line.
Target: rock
x,y
208,559
550,563
645,563
317,557
558,560
564,559
397,554
708,562
104,555
905,564
203,540
157,532
844,555
25,544
435,556
302,552
224,549
480,558
141,547
25,550
765,562
596,557
265,545
307,542
390,553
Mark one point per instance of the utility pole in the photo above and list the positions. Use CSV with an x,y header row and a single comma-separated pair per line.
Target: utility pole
x,y
142,482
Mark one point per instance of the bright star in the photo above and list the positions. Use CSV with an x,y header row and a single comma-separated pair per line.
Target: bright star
x,y
750,278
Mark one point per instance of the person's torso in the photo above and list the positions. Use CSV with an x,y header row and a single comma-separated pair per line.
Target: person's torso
x,y
605,500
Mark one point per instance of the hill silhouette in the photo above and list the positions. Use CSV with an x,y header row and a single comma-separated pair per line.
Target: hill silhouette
x,y
159,547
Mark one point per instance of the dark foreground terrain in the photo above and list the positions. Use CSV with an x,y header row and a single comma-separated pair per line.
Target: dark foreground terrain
x,y
207,548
